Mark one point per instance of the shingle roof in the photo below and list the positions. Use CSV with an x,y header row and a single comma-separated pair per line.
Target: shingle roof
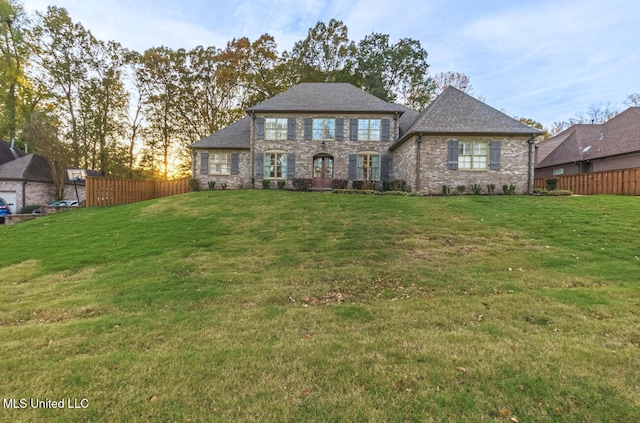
x,y
325,97
619,135
31,167
234,137
455,112
6,155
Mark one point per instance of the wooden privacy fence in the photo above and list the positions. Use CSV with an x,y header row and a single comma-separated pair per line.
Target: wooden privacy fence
x,y
615,182
112,192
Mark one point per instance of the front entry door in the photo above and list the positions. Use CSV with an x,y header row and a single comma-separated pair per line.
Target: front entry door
x,y
322,171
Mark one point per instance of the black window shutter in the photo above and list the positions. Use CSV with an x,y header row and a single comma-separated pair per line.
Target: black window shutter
x,y
307,128
291,128
386,129
495,152
291,165
260,128
259,164
453,154
339,129
235,163
353,130
384,167
353,161
204,163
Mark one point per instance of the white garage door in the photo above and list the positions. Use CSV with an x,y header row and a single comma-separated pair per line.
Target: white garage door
x,y
9,197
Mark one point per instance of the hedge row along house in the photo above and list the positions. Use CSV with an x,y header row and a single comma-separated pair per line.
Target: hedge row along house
x,y
327,131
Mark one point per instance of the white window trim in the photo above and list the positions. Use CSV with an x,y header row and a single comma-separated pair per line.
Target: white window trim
x,y
368,135
360,173
487,155
325,128
279,133
283,169
212,165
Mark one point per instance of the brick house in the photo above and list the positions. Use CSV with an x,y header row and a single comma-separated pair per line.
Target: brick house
x,y
25,179
587,148
326,131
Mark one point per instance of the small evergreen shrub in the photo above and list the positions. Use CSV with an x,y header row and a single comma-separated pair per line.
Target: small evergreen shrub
x,y
302,184
28,209
224,185
394,185
357,184
339,183
266,183
212,185
491,188
194,184
476,189
446,190
509,189
461,189
551,184
281,184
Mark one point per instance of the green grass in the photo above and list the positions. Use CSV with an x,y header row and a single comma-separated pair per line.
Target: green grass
x,y
288,307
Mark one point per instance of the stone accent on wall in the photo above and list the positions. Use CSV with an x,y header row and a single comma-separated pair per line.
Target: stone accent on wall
x,y
306,150
434,172
240,181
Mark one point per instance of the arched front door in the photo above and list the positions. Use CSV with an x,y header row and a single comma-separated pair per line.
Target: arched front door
x,y
322,171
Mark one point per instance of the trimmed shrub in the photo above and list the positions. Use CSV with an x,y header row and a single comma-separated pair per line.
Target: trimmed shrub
x,y
339,183
446,190
551,184
194,184
394,185
357,184
461,189
28,209
212,185
266,183
281,184
491,188
302,184
476,189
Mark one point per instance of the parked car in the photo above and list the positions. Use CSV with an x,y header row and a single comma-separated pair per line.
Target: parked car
x,y
4,209
64,203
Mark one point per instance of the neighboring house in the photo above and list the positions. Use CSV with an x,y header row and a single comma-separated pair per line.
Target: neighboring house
x,y
326,131
26,180
585,148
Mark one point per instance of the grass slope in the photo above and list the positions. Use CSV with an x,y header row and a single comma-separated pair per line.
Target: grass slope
x,y
279,306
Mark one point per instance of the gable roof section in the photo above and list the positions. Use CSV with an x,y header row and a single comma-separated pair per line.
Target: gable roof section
x,y
233,137
325,97
6,155
32,167
456,113
581,142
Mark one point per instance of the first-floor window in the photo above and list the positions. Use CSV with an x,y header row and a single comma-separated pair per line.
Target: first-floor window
x,y
368,167
220,163
473,155
275,164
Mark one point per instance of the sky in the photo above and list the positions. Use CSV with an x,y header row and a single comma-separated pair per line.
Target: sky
x,y
545,60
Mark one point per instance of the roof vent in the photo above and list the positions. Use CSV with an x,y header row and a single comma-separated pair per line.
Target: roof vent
x,y
586,149
601,135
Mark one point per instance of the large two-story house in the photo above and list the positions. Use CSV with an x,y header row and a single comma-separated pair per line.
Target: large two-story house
x,y
326,131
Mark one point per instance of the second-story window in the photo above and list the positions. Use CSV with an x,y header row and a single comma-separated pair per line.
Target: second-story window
x,y
324,129
275,128
369,129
